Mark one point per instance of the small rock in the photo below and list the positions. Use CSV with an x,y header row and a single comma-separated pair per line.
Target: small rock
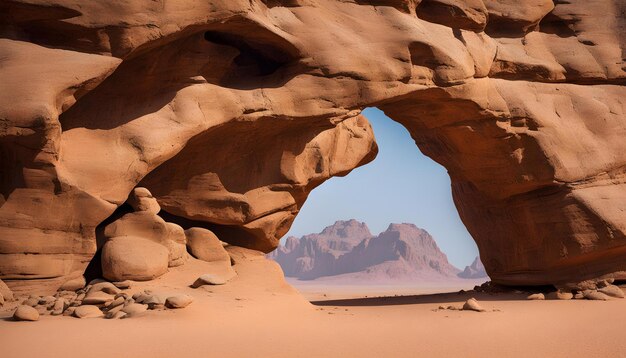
x,y
579,296
142,298
472,305
32,302
87,311
41,309
134,310
25,313
106,287
536,296
122,294
178,301
46,299
69,311
123,284
60,304
213,279
595,295
612,291
116,302
442,307
80,297
115,315
73,284
97,298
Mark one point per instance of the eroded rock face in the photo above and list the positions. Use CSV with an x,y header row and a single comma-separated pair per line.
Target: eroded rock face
x,y
231,112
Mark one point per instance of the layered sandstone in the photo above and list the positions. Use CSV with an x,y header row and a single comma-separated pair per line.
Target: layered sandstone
x,y
231,112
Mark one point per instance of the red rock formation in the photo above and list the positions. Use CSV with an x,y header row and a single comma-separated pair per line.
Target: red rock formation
x,y
231,112
475,270
402,252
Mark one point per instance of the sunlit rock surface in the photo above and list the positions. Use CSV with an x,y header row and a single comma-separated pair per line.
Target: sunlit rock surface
x,y
231,112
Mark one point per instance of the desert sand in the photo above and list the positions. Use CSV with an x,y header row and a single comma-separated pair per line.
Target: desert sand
x,y
258,314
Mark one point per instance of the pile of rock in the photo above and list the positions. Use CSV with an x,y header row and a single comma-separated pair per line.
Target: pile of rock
x,y
142,246
98,299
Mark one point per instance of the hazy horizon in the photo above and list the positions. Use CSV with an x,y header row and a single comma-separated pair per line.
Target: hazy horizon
x,y
402,186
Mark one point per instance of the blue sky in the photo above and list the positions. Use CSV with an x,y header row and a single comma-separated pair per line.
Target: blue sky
x,y
400,185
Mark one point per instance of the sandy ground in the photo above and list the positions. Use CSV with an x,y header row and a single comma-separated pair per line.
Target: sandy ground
x,y
259,315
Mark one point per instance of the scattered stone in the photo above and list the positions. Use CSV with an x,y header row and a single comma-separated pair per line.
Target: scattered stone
x,y
213,279
25,313
559,295
536,296
472,305
612,291
1,300
46,299
80,297
32,301
106,287
69,311
142,297
121,294
6,292
134,310
73,284
595,295
115,315
178,301
97,298
87,311
116,302
123,284
579,296
115,309
41,309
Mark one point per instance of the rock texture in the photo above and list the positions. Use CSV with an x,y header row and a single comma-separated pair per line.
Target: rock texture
x,y
231,112
475,270
347,248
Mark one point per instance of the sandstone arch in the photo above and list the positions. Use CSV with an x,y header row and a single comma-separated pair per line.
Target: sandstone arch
x,y
527,116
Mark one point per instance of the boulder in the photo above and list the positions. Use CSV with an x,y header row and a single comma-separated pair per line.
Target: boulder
x,y
25,313
133,258
204,245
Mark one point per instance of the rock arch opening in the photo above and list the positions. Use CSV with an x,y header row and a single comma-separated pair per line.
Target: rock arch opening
x,y
390,224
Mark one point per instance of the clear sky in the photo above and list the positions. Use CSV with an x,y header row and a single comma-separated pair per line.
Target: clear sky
x,y
400,185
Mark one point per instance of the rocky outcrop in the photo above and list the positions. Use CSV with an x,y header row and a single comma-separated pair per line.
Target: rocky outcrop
x,y
475,270
402,252
231,112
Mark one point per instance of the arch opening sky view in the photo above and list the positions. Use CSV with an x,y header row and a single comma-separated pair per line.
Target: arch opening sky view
x,y
400,185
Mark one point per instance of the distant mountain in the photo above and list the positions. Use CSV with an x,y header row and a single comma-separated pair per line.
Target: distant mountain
x,y
475,270
348,250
